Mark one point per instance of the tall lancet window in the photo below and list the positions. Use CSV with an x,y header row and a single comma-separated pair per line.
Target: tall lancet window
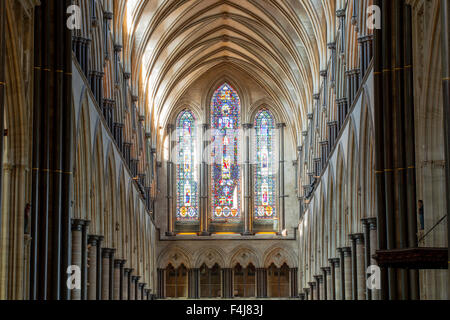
x,y
186,175
225,172
265,175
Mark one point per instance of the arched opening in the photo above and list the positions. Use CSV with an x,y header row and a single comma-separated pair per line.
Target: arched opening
x,y
176,282
210,281
225,171
264,172
187,187
244,280
278,281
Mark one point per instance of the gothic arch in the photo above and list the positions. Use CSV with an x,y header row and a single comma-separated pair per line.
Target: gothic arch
x,y
210,256
244,256
278,256
176,256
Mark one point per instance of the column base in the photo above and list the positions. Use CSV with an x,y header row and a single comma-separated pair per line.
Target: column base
x,y
204,234
170,234
248,233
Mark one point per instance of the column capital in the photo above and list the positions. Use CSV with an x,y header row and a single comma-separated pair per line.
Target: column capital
x,y
127,75
118,48
336,262
247,125
326,270
323,73
205,126
310,116
77,224
300,148
119,263
108,252
108,15
358,237
340,13
128,271
347,251
281,125
170,127
93,240
371,222
332,45
312,284
319,278
141,285
316,96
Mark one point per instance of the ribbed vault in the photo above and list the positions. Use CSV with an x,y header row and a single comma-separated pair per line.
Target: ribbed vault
x,y
281,44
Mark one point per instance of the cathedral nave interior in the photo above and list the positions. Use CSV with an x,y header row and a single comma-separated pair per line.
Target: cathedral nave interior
x,y
208,149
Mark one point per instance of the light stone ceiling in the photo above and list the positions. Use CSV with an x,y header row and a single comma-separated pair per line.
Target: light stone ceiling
x,y
282,44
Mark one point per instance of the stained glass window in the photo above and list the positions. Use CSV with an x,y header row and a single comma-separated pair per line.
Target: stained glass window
x,y
225,172
265,179
186,184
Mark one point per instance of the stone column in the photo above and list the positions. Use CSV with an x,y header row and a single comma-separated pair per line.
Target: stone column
x,y
261,282
204,183
320,287
133,288
193,283
327,283
2,92
281,194
323,74
106,273
366,254
294,282
332,47
248,227
337,278
77,235
354,267
307,295
84,260
99,263
141,287
331,289
117,277
360,267
227,285
161,284
312,290
52,161
340,14
136,287
445,49
170,176
348,273
376,293
126,283
122,280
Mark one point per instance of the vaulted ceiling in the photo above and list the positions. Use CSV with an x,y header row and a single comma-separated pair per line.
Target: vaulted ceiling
x,y
281,44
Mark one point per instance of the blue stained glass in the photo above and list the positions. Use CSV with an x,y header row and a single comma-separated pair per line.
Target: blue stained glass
x,y
186,184
264,177
225,173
